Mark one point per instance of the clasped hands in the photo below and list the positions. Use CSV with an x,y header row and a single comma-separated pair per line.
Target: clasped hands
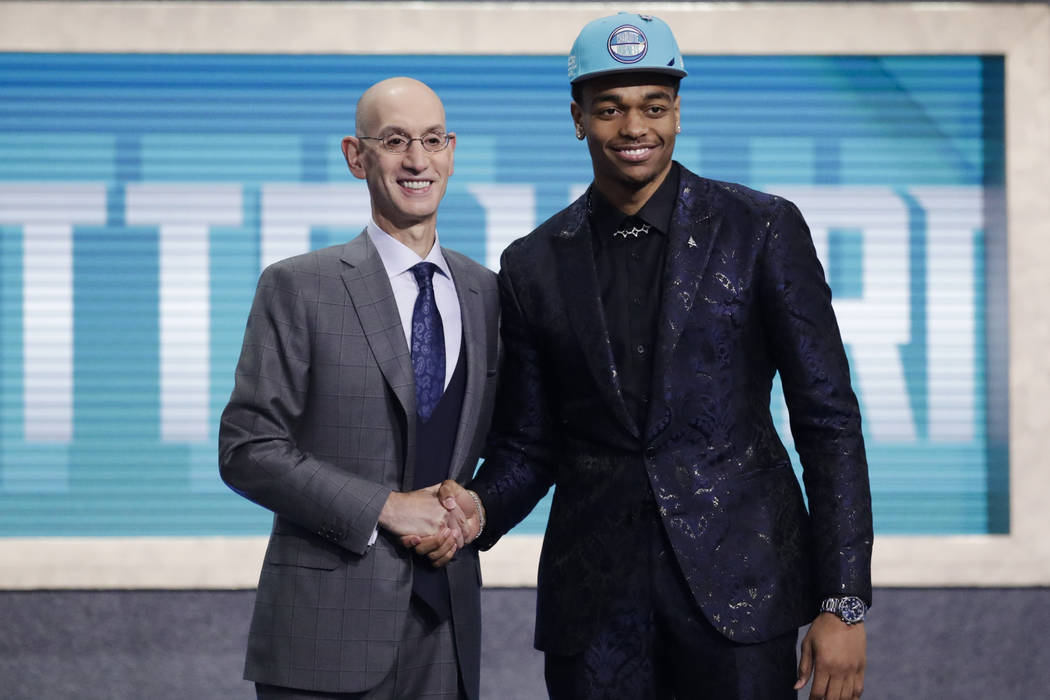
x,y
436,521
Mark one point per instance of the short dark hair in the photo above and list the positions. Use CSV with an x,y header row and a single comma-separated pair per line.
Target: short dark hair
x,y
577,87
577,92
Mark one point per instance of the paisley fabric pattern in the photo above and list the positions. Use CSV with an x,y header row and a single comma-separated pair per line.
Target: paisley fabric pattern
x,y
743,298
428,342
654,643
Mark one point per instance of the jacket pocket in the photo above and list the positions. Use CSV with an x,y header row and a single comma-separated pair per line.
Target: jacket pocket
x,y
292,550
779,469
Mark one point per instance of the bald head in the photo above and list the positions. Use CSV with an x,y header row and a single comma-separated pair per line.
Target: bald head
x,y
402,150
387,99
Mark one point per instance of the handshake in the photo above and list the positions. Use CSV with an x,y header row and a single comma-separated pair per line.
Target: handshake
x,y
436,521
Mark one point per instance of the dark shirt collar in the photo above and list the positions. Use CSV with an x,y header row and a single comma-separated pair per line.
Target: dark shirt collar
x,y
606,218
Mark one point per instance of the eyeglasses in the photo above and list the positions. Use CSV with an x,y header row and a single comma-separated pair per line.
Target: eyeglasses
x,y
432,142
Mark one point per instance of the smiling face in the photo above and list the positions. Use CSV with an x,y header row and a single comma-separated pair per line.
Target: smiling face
x,y
630,121
405,188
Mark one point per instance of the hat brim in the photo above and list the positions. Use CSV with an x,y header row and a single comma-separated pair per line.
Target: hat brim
x,y
663,70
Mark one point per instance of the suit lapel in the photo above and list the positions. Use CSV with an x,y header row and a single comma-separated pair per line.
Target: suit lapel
x,y
369,286
472,313
694,224
583,304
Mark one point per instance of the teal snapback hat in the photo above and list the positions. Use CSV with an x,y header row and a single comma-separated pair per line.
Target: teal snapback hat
x,y
625,42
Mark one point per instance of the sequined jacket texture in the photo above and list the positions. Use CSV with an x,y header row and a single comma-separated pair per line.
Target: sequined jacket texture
x,y
744,297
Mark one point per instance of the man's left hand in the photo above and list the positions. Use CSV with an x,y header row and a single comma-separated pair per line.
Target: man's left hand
x,y
835,654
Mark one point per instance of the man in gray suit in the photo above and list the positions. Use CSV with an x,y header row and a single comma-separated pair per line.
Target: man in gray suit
x,y
366,378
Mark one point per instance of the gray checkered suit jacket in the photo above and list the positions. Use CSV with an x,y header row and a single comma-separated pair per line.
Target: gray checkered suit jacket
x,y
320,428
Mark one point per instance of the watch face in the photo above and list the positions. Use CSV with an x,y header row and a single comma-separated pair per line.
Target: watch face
x,y
851,610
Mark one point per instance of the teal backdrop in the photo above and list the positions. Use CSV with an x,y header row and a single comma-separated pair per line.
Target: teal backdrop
x,y
140,196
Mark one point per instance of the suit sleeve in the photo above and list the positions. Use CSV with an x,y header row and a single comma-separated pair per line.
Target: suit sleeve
x,y
258,454
825,418
518,468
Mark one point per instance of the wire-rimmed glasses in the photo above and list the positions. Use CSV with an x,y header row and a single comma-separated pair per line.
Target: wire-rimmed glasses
x,y
432,141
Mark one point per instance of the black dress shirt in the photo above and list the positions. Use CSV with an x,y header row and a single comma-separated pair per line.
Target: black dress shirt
x,y
629,274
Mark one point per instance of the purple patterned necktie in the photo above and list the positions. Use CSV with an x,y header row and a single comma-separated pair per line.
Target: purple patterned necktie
x,y
428,343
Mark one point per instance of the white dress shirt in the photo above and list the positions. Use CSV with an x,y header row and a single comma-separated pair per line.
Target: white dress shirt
x,y
398,260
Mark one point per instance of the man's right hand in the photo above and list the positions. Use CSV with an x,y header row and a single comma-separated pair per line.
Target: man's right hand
x,y
462,513
420,513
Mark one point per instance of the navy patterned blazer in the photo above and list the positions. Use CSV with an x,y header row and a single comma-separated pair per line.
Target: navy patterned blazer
x,y
320,428
744,297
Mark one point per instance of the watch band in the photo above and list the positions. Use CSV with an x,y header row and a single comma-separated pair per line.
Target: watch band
x,y
850,609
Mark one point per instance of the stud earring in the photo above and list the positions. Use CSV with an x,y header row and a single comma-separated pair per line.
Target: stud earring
x,y
678,128
579,132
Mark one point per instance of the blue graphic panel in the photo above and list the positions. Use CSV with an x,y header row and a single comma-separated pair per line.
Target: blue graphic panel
x,y
140,195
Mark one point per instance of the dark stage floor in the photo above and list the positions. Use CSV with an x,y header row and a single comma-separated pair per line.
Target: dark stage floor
x,y
924,644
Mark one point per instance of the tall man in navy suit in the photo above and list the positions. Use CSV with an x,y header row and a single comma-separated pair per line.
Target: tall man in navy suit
x,y
367,377
642,328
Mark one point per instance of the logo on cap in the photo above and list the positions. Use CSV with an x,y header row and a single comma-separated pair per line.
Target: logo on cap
x,y
627,44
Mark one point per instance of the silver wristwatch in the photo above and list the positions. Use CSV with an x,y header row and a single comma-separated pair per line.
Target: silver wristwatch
x,y
849,608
